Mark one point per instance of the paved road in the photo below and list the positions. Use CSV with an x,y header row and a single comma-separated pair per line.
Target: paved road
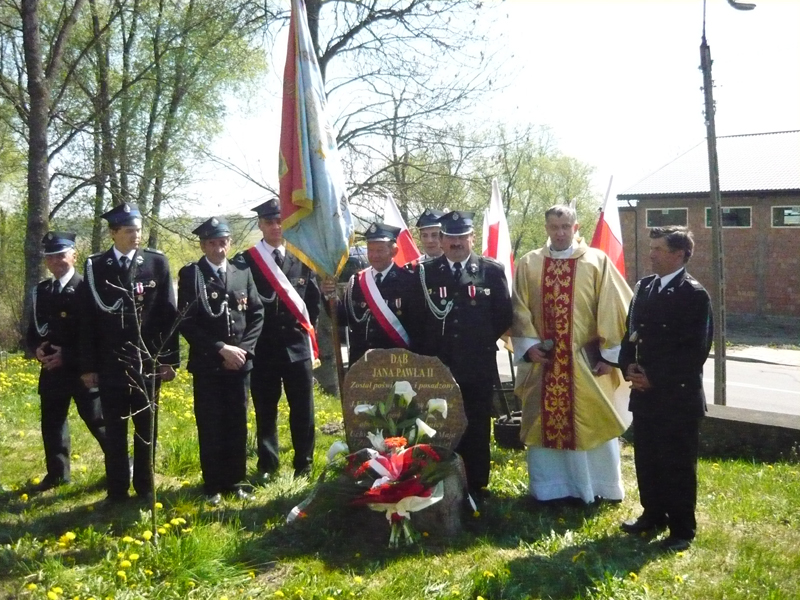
x,y
751,383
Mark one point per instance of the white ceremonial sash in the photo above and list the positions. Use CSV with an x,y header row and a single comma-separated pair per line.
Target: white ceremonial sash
x,y
286,292
380,310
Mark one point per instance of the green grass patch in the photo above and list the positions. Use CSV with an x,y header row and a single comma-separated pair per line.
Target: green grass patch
x,y
64,544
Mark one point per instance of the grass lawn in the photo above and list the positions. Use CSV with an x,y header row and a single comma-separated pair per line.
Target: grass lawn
x,y
64,544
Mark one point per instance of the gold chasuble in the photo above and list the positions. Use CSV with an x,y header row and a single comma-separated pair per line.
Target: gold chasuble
x,y
575,302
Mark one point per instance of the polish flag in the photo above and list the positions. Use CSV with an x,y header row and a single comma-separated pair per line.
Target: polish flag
x,y
407,250
608,233
496,238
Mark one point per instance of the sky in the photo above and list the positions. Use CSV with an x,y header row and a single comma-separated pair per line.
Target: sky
x,y
617,82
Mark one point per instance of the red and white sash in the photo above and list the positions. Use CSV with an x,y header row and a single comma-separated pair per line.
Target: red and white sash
x,y
288,295
380,310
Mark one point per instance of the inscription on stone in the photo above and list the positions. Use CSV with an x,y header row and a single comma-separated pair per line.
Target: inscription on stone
x,y
422,388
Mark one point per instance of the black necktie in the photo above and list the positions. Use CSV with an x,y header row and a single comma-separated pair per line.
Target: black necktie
x,y
378,278
457,272
656,286
56,286
221,275
278,258
123,262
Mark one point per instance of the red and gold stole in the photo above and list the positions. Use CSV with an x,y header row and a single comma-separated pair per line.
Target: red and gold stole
x,y
558,393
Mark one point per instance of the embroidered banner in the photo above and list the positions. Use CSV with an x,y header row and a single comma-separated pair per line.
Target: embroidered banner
x,y
286,292
558,393
380,310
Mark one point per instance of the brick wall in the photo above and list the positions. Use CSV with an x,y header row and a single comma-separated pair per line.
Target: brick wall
x,y
762,263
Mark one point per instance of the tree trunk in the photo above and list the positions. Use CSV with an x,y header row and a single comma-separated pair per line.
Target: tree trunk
x,y
38,173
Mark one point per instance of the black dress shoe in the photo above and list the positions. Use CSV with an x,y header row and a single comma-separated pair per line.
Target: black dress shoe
x,y
675,544
241,494
304,472
48,483
642,525
114,500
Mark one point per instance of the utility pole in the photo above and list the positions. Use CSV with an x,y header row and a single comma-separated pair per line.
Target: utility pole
x,y
717,255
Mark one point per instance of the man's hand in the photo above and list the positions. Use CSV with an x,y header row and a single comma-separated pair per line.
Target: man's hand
x,y
54,360
638,378
537,355
602,368
90,380
233,357
166,372
41,351
328,287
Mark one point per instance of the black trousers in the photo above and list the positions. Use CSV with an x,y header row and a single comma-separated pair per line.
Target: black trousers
x,y
665,454
265,385
56,390
121,404
220,410
474,446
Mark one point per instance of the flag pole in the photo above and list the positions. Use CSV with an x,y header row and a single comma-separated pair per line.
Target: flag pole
x,y
337,344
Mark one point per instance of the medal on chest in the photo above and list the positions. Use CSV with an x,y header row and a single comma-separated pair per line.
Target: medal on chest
x,y
443,295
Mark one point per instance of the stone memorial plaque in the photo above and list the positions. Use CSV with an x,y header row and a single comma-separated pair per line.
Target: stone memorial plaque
x,y
421,387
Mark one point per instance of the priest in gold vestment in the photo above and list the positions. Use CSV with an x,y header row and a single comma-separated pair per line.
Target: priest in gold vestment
x,y
570,305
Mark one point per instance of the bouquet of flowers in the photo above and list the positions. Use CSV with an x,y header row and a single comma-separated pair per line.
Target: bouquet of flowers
x,y
395,477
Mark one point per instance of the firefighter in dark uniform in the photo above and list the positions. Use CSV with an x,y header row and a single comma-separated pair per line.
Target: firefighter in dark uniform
x,y
53,338
129,345
285,353
468,309
221,319
430,233
397,286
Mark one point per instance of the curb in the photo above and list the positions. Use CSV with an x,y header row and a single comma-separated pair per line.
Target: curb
x,y
749,359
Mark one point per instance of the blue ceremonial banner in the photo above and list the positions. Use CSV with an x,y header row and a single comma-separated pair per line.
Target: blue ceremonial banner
x,y
317,225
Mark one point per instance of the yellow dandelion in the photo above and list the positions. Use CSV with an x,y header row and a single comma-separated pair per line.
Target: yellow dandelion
x,y
36,481
122,575
167,525
31,586
162,530
177,521
127,539
251,574
133,557
24,497
476,514
425,534
770,467
190,584
278,594
680,554
159,506
52,595
147,534
678,579
120,555
148,572
185,484
138,542
633,576
479,598
488,574
445,571
76,456
58,590
186,530
125,564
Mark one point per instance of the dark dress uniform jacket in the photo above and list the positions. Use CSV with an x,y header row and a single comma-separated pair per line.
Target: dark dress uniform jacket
x,y
674,330
282,338
147,287
480,314
400,288
207,334
60,314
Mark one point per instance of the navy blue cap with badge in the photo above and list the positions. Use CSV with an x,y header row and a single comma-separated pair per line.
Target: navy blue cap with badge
x,y
123,215
381,232
430,218
56,242
457,222
212,228
271,209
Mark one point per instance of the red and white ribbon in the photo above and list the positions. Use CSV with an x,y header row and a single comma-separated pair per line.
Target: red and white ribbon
x,y
380,310
286,292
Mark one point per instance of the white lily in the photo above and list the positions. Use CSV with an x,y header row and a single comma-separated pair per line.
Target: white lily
x,y
376,439
425,429
405,391
337,447
365,409
438,405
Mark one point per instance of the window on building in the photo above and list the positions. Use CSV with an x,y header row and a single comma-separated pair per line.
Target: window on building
x,y
737,216
786,216
664,217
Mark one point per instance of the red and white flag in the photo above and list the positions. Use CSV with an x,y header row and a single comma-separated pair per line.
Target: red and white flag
x,y
407,250
496,238
608,233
